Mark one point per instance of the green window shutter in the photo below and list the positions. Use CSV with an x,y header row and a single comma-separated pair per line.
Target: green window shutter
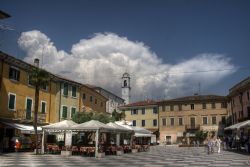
x,y
12,100
73,112
64,114
65,89
43,107
73,91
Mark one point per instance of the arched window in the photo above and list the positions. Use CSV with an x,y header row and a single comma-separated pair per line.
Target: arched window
x,y
125,83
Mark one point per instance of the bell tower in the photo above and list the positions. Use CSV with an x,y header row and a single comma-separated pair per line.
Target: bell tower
x,y
126,87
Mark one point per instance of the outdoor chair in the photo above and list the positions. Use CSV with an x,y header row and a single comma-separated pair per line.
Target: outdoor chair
x,y
113,150
55,149
108,150
75,150
49,149
91,151
83,150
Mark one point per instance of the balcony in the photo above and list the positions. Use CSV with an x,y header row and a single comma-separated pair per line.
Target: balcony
x,y
192,127
23,116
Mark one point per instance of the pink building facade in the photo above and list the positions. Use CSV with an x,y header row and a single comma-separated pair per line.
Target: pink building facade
x,y
240,102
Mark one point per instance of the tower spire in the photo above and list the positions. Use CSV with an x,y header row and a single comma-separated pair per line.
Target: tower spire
x,y
126,87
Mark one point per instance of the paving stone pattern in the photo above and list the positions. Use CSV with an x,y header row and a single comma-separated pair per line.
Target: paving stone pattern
x,y
158,156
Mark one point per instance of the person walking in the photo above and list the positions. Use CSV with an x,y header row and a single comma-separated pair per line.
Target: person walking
x,y
209,146
218,143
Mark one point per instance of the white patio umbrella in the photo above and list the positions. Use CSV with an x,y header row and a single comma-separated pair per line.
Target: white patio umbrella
x,y
96,126
62,126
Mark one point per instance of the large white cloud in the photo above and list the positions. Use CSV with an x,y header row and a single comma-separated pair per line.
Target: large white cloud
x,y
102,59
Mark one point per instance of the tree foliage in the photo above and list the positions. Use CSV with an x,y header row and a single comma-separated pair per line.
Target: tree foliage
x,y
39,78
82,117
118,116
201,135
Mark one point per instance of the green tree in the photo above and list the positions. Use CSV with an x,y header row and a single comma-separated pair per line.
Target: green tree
x,y
38,78
201,135
82,117
118,116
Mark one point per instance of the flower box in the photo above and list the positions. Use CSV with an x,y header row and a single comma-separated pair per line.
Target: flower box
x,y
39,151
101,155
119,152
134,150
66,153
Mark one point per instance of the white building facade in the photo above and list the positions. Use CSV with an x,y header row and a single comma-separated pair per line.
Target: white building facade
x,y
113,102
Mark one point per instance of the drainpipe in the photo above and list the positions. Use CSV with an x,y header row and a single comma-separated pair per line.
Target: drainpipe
x,y
60,102
50,100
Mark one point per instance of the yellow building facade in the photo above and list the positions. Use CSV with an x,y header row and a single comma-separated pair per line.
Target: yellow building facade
x,y
18,95
143,114
91,100
67,98
181,118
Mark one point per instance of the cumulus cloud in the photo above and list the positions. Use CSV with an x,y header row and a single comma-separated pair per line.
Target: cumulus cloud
x,y
102,59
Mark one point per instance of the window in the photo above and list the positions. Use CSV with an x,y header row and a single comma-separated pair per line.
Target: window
x,y
163,108
143,111
73,111
12,101
142,123
65,89
28,108
192,106
171,108
125,83
64,112
30,81
95,101
204,105
213,105
204,120
214,120
73,93
224,105
172,121
14,74
155,122
44,87
83,96
248,95
134,122
180,107
155,110
134,111
43,107
91,99
101,104
180,121
164,122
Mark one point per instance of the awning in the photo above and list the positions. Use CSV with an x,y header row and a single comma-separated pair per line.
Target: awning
x,y
25,129
143,135
238,125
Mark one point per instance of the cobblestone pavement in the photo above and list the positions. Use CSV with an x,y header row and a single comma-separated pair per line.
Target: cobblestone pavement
x,y
158,156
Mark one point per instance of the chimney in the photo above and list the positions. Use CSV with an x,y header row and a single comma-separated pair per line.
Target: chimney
x,y
36,62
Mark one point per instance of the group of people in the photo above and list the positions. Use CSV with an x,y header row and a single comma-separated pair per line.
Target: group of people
x,y
234,141
213,143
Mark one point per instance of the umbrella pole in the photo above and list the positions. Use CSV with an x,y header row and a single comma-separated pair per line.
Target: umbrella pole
x,y
42,151
96,142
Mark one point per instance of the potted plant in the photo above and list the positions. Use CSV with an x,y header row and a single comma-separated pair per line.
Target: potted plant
x,y
66,151
119,150
134,149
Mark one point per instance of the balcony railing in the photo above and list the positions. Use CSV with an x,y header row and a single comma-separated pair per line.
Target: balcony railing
x,y
192,127
24,116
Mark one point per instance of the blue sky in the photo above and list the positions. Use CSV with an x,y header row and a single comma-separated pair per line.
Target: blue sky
x,y
176,31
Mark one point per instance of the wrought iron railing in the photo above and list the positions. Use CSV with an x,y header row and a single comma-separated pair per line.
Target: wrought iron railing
x,y
192,127
23,115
